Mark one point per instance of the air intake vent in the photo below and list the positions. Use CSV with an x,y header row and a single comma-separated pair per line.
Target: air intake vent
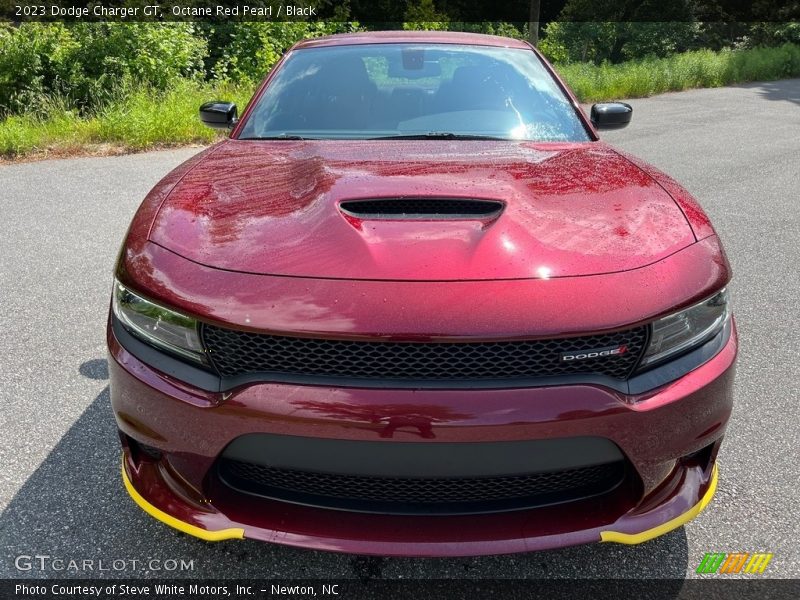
x,y
436,495
421,208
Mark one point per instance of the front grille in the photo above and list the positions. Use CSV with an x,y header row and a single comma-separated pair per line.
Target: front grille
x,y
240,353
447,208
421,495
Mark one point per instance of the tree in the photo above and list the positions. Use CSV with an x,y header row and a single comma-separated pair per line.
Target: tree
x,y
533,21
626,29
422,14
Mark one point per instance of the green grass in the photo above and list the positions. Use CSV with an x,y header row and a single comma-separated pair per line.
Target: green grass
x,y
698,69
142,119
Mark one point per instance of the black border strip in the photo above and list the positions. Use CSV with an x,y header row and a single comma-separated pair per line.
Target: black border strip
x,y
370,587
391,15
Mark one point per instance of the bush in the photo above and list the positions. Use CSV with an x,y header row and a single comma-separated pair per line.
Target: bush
x,y
773,34
35,59
489,27
86,64
249,50
623,30
422,15
588,41
151,54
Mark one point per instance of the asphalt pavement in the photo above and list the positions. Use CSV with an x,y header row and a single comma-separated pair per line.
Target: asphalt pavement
x,y
736,149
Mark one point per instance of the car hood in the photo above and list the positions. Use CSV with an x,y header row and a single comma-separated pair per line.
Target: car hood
x,y
273,207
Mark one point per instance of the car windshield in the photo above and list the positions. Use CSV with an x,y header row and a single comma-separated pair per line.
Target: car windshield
x,y
433,91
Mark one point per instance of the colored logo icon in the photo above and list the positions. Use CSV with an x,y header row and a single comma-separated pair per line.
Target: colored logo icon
x,y
735,562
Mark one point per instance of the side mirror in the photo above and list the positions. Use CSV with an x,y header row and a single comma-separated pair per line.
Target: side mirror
x,y
219,115
611,115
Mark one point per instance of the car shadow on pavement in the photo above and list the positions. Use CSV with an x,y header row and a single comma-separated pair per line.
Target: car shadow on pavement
x,y
74,507
786,89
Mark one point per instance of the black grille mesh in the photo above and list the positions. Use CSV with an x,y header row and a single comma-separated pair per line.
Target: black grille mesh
x,y
239,353
315,488
421,207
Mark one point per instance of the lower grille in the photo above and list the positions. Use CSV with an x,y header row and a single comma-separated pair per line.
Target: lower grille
x,y
436,495
236,353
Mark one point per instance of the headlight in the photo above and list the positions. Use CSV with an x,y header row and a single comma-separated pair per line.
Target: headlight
x,y
687,329
156,325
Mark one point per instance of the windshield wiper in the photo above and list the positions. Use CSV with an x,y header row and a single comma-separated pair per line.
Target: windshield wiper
x,y
431,135
441,135
280,136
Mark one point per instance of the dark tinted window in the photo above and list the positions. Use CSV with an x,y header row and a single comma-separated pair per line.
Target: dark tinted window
x,y
377,90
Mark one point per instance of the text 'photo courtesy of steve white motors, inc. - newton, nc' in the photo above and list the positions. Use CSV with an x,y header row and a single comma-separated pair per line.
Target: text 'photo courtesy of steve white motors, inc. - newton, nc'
x,y
171,590
155,11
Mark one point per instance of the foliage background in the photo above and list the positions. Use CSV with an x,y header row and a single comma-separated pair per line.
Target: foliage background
x,y
138,84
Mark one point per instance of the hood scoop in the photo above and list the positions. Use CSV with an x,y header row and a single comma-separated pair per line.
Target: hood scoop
x,y
422,209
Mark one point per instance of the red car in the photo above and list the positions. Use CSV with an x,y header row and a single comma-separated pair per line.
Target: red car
x,y
413,306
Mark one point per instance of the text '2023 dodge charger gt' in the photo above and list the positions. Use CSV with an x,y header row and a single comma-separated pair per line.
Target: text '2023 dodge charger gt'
x,y
413,306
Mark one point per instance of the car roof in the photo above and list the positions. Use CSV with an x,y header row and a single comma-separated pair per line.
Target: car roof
x,y
399,37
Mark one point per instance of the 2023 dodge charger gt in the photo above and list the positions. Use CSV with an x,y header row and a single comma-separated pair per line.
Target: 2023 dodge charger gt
x,y
413,306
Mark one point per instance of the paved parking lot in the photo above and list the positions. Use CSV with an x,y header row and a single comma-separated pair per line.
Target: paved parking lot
x,y
737,149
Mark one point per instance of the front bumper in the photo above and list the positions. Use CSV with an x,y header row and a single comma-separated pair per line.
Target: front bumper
x,y
670,437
